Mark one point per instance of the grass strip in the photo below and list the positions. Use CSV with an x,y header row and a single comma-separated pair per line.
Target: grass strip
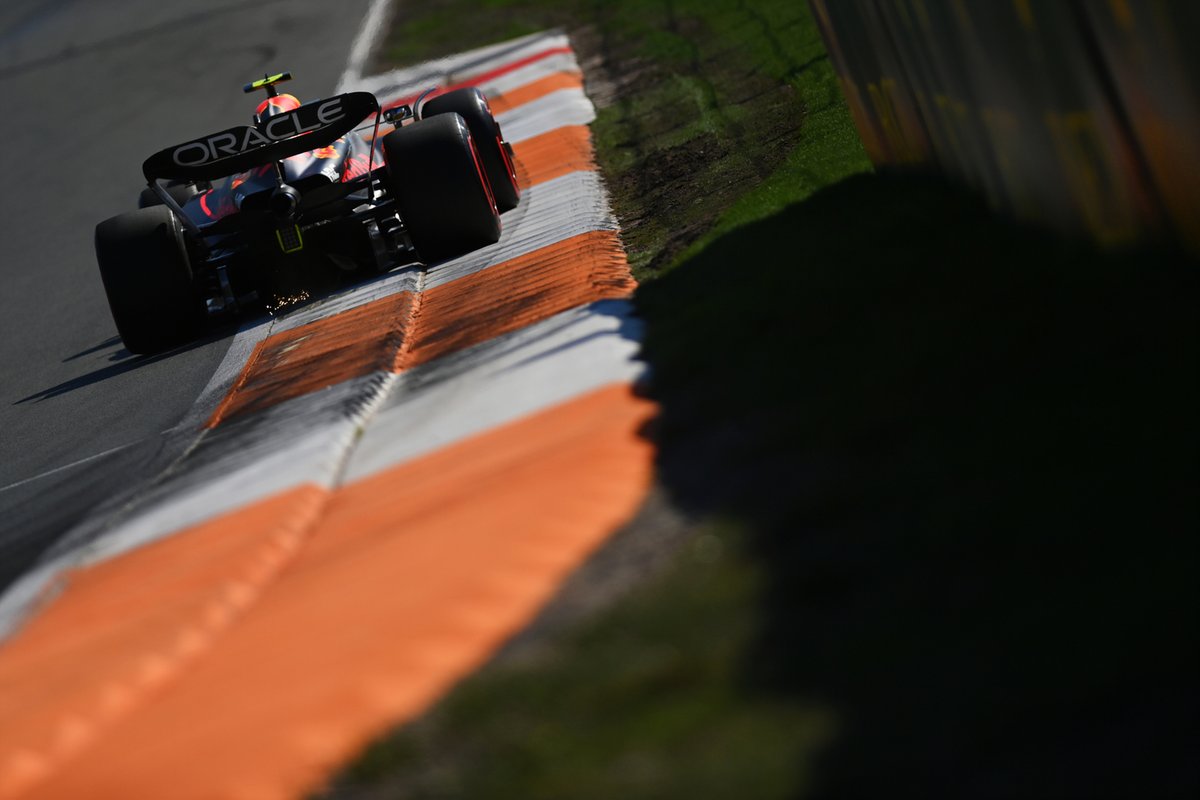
x,y
701,104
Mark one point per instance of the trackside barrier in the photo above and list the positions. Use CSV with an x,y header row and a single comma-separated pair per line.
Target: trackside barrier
x,y
1081,114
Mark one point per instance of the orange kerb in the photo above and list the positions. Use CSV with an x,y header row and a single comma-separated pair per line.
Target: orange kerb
x,y
554,154
456,315
318,355
412,579
122,631
534,91
517,293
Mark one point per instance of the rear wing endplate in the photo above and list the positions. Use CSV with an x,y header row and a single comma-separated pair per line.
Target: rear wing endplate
x,y
313,125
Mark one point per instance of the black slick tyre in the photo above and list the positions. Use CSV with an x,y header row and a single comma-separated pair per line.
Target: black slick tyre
x,y
435,175
148,279
472,106
181,192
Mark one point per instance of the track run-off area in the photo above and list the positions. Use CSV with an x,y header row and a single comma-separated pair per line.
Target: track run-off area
x,y
377,490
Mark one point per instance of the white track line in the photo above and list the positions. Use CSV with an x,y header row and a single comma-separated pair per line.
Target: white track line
x,y
72,465
363,44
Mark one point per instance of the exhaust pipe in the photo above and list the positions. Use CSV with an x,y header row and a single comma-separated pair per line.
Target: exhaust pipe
x,y
284,202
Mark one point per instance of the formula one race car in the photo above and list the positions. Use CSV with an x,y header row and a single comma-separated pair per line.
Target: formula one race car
x,y
255,216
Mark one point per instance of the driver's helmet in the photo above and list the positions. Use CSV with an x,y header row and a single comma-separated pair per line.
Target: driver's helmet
x,y
277,105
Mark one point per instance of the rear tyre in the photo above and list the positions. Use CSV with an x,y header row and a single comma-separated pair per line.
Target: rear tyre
x,y
473,107
182,192
148,279
435,175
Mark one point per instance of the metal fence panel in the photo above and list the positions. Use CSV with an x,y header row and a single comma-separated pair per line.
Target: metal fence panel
x,y
1079,114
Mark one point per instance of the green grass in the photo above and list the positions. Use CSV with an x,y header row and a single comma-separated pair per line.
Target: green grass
x,y
942,471
729,109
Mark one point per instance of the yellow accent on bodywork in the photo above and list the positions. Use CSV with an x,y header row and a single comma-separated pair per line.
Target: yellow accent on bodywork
x,y
267,81
299,239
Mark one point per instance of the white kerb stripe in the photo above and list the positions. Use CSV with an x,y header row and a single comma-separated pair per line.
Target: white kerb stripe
x,y
502,380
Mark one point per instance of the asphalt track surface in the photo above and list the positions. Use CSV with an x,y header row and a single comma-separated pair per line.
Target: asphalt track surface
x,y
90,88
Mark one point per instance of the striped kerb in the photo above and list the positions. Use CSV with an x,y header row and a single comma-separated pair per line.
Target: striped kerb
x,y
269,652
247,655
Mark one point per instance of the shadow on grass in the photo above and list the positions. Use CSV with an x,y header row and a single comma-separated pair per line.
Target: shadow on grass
x,y
941,539
965,455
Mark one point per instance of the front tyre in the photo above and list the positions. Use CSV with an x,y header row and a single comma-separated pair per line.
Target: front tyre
x,y
147,276
494,152
435,175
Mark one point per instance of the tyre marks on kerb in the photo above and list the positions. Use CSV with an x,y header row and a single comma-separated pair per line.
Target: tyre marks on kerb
x,y
397,480
453,315
434,404
321,354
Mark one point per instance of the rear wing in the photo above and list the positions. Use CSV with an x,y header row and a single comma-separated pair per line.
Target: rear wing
x,y
312,125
